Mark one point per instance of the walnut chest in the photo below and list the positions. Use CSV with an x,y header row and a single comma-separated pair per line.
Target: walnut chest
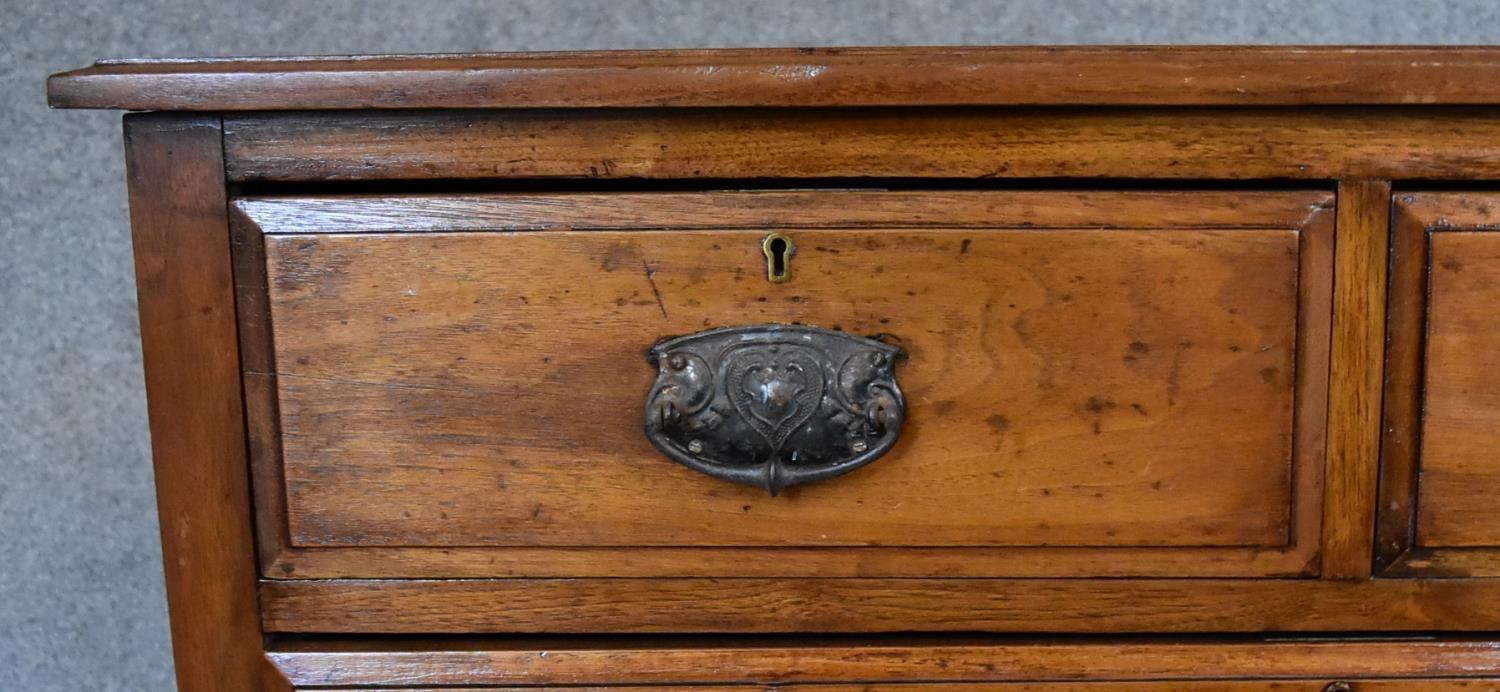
x,y
993,369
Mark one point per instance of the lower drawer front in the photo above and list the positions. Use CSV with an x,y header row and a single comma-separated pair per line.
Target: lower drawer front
x,y
1125,384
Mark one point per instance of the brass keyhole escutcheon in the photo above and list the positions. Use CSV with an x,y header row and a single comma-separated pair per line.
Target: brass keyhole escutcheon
x,y
778,250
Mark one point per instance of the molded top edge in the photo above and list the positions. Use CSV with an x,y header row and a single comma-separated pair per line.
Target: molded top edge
x,y
798,77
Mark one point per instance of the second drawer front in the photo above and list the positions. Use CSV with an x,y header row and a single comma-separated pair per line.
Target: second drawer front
x,y
1092,390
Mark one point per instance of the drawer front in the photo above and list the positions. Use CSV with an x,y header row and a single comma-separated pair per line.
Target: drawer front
x,y
1441,467
1099,384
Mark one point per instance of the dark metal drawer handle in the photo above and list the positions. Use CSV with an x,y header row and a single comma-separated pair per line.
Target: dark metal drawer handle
x,y
774,405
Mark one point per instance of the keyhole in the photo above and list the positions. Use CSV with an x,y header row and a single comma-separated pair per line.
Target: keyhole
x,y
778,257
779,250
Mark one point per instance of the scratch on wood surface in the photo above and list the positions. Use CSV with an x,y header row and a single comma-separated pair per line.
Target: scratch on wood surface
x,y
651,279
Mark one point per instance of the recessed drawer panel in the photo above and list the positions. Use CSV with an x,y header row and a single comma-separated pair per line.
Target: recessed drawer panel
x,y
1441,465
1461,436
1095,384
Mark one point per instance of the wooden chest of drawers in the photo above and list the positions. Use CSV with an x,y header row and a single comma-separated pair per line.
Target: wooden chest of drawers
x,y
1013,369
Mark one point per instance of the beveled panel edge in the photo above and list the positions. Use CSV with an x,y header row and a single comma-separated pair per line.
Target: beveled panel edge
x,y
1312,454
778,661
259,383
1040,210
1039,562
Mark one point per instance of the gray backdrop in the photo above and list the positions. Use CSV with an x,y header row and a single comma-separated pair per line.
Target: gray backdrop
x,y
81,602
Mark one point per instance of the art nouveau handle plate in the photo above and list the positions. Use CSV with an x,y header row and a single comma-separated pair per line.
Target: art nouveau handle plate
x,y
774,405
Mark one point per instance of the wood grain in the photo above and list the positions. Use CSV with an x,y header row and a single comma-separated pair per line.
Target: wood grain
x,y
1434,486
189,342
263,419
352,446
1445,562
640,606
439,399
1123,404
1355,383
290,562
1161,143
1402,418
1178,75
883,661
1321,685
823,209
1461,422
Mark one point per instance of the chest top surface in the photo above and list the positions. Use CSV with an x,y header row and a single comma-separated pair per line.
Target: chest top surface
x,y
912,76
